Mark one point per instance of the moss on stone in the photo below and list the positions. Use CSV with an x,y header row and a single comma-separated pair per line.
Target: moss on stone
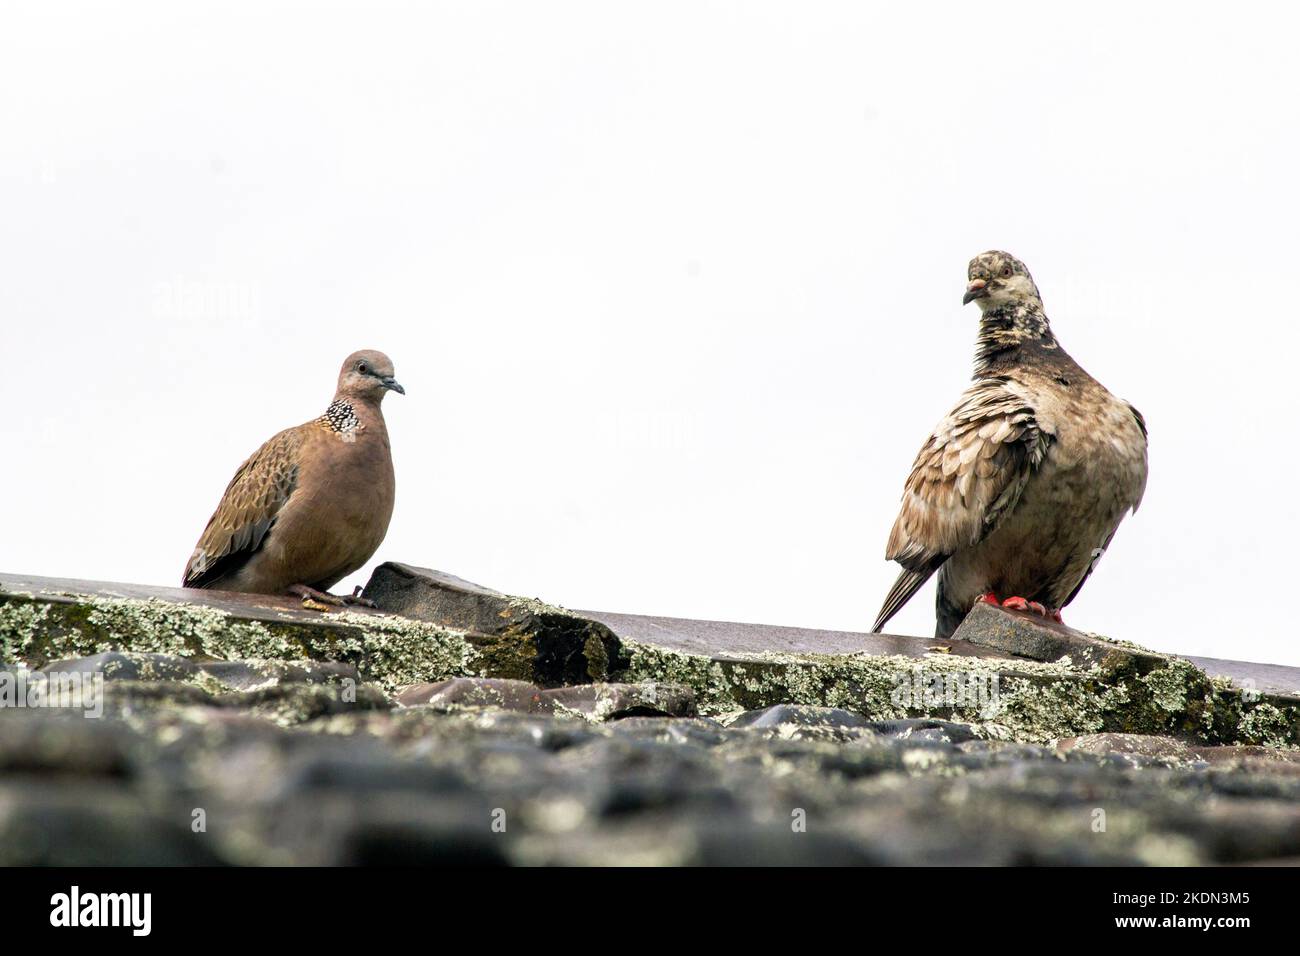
x,y
1034,702
396,651
1037,702
392,651
1170,685
1029,701
1270,725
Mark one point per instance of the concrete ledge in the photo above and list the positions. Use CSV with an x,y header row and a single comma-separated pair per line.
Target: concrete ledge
x,y
1018,676
43,620
1029,679
314,737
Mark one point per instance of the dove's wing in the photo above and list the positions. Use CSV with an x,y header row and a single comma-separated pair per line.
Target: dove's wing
x,y
248,509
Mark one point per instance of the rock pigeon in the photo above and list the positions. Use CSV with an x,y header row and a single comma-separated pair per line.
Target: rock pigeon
x,y
1019,491
313,503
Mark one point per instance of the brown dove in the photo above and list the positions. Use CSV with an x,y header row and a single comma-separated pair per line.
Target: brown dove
x,y
312,504
1020,489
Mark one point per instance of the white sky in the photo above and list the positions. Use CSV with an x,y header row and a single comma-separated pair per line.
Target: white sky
x,y
674,287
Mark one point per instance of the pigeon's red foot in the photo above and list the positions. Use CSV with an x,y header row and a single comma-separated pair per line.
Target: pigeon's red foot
x,y
1020,604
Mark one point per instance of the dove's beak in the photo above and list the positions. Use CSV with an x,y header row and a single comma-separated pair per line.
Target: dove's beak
x,y
977,289
391,383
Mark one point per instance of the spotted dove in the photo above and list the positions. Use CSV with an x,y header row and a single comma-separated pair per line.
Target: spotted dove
x,y
1020,489
313,503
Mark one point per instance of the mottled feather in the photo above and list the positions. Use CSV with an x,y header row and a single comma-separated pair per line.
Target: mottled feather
x,y
1019,490
967,476
247,510
312,505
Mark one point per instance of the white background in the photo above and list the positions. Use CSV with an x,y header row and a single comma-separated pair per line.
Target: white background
x,y
674,287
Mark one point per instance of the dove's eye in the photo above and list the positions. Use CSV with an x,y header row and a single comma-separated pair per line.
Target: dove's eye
x,y
1006,272
361,367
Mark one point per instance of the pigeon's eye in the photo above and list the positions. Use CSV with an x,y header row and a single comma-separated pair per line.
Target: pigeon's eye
x,y
361,367
1006,272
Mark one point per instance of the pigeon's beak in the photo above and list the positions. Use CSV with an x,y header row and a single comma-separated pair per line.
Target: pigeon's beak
x,y
392,383
976,290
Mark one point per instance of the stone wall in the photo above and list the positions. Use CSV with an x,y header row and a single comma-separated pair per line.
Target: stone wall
x,y
457,724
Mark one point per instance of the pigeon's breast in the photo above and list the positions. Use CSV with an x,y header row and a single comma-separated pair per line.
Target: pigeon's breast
x,y
1099,451
1093,473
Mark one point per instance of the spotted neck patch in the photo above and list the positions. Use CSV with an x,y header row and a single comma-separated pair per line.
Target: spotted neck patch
x,y
1004,330
341,418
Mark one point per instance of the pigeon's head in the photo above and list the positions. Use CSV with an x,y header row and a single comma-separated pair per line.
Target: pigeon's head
x,y
999,279
366,376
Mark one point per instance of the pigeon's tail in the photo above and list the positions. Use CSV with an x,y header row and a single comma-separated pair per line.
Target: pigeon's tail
x,y
908,583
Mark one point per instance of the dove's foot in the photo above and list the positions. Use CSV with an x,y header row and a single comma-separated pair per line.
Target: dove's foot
x,y
310,596
356,599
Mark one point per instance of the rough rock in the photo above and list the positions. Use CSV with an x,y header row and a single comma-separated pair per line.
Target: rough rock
x,y
514,695
237,732
1038,680
615,701
801,716
459,630
517,638
44,620
486,785
231,675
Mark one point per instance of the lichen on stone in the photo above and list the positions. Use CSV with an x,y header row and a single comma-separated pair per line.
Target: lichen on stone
x,y
1169,685
1037,702
390,650
1267,724
19,625
397,651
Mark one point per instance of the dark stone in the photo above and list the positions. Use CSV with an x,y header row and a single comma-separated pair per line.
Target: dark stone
x,y
44,824
516,695
295,703
520,639
735,640
266,608
257,675
1030,635
924,729
363,770
799,715
55,746
615,701
237,675
677,730
729,666
790,785
123,698
1254,759
300,765
1136,745
1275,680
116,665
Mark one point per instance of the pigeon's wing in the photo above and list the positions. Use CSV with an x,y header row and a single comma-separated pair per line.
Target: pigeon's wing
x,y
248,509
967,477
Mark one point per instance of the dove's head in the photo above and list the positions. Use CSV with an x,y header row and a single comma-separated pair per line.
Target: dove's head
x,y
366,376
997,280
